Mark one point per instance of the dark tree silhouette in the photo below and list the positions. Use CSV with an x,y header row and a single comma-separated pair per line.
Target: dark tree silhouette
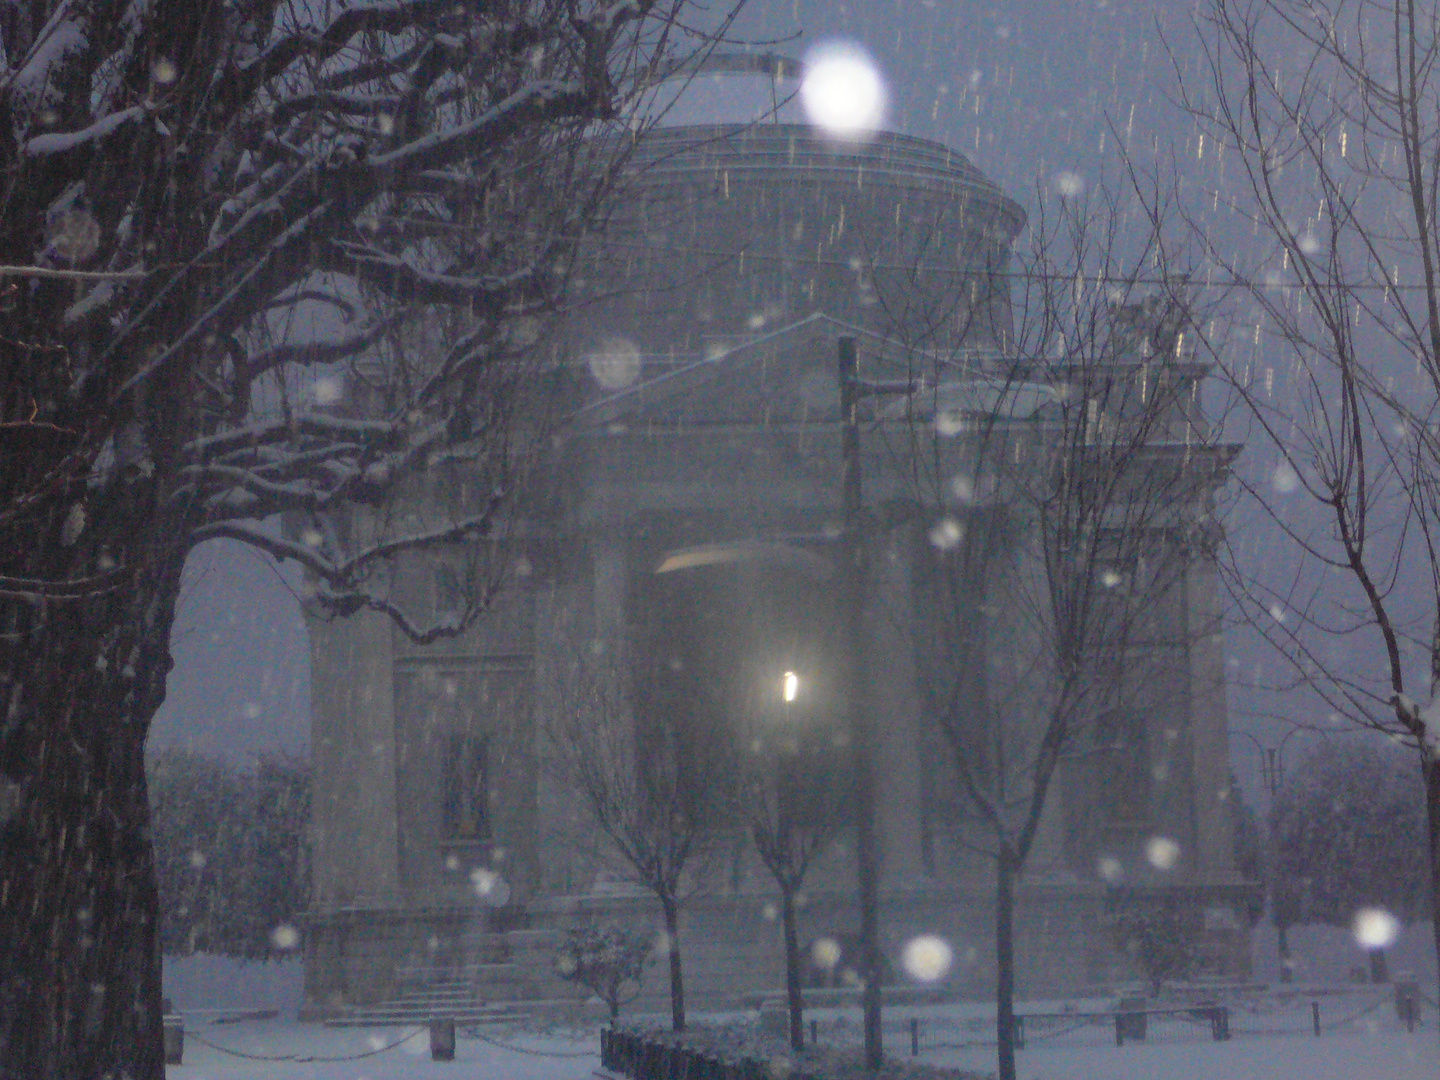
x,y
1347,833
257,258
231,853
1323,116
1067,483
653,790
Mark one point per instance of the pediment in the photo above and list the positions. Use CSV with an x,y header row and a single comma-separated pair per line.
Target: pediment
x,y
787,376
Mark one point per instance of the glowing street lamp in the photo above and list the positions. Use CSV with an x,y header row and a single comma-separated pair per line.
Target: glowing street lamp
x,y
790,687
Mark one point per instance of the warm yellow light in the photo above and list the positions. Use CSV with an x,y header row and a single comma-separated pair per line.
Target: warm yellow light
x,y
790,686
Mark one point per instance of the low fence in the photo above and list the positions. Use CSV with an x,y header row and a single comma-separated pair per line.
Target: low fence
x,y
937,1033
1320,1014
1133,1025
635,1055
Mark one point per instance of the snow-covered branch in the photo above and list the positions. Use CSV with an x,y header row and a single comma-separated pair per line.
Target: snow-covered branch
x,y
61,142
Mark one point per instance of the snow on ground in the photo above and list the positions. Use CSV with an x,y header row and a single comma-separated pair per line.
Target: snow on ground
x,y
1374,1048
1273,1039
1386,1056
409,1060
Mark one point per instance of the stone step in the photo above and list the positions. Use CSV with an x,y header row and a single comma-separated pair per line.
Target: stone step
x,y
477,976
458,1000
383,1017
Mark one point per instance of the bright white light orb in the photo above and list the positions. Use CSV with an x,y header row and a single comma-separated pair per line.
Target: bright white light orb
x,y
328,390
1069,184
1376,928
790,686
927,958
946,534
1162,853
1109,869
950,422
842,91
825,953
490,887
1284,479
615,364
285,937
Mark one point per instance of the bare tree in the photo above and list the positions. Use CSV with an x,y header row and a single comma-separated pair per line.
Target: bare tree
x,y
1347,833
794,805
651,782
224,229
1324,120
1067,488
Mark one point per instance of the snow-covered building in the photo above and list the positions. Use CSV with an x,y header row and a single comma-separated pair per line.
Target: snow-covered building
x,y
704,421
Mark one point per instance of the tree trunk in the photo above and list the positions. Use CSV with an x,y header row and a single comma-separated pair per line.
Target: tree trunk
x,y
792,969
1282,947
677,979
1005,962
1430,769
79,944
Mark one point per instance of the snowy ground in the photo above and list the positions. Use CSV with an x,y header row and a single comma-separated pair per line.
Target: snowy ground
x,y
1273,1038
1374,1047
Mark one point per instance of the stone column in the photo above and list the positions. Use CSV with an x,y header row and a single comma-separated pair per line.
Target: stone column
x,y
1209,725
352,718
894,700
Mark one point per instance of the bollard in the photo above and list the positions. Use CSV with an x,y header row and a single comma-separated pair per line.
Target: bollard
x,y
1315,1016
1407,1001
914,1037
442,1040
814,1033
1019,1033
174,1038
1130,1020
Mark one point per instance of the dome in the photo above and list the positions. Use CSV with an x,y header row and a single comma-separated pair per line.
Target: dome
x,y
728,228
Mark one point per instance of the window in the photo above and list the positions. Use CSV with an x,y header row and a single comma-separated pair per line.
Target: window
x,y
466,794
1123,766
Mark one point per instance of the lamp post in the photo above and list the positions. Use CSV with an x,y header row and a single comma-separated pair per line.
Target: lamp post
x,y
855,680
854,672
1272,773
1272,760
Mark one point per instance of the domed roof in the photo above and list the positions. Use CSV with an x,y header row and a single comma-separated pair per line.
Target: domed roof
x,y
788,151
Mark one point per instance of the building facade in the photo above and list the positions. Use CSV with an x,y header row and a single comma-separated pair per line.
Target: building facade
x,y
679,524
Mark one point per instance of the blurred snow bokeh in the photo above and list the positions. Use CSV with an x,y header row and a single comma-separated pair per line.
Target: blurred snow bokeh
x,y
843,92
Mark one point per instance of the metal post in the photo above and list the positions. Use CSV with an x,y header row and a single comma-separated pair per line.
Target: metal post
x,y
914,1037
856,683
442,1039
174,1038
1315,1016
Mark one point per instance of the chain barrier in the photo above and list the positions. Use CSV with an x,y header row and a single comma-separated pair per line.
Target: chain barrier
x,y
1333,1024
302,1058
1033,1038
476,1033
